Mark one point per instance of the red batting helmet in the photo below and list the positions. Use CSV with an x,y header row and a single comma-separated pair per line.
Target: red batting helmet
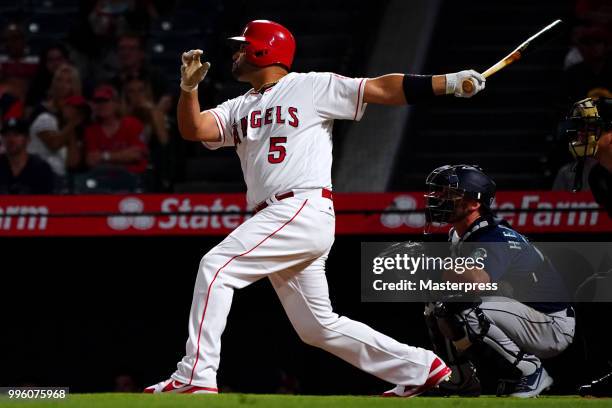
x,y
267,43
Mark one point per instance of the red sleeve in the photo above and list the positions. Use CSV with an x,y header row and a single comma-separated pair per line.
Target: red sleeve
x,y
14,111
91,144
134,129
133,133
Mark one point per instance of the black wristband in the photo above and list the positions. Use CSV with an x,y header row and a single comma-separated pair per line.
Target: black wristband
x,y
417,88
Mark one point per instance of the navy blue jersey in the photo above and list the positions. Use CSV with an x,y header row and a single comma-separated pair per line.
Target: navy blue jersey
x,y
519,268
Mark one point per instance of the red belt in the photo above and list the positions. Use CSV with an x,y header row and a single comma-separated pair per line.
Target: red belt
x,y
325,193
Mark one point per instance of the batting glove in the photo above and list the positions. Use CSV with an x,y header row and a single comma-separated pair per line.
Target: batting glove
x,y
454,83
192,70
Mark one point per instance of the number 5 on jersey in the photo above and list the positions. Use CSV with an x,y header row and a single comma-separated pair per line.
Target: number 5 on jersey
x,y
277,150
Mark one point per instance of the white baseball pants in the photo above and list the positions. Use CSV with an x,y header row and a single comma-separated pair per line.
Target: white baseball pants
x,y
288,242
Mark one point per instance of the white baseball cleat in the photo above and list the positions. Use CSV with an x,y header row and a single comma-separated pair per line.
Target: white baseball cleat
x,y
438,372
532,385
178,387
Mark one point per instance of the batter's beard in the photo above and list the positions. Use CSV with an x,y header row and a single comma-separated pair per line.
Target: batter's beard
x,y
236,72
240,71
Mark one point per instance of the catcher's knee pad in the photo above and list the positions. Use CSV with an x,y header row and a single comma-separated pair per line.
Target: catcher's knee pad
x,y
453,325
477,334
450,324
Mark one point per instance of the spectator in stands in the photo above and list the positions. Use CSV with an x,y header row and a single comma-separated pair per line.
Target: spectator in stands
x,y
112,17
114,139
592,77
138,102
17,67
10,106
106,18
53,140
51,59
131,59
76,110
593,10
21,172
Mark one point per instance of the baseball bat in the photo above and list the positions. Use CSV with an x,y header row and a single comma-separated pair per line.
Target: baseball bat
x,y
528,45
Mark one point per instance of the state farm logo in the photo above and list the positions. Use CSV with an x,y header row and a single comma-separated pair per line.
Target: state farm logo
x,y
131,205
396,220
582,216
181,214
23,217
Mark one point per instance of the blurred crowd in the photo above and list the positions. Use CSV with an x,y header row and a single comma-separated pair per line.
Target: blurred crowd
x,y
89,112
88,94
587,68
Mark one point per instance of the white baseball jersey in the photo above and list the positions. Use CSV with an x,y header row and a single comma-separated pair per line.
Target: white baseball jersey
x,y
283,136
283,139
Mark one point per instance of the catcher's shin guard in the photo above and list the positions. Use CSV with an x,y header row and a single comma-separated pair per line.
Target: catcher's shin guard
x,y
463,380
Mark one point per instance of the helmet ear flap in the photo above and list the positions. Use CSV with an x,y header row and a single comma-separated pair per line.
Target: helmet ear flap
x,y
256,53
260,53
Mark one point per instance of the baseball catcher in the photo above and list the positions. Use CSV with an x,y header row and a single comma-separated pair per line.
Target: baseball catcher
x,y
497,330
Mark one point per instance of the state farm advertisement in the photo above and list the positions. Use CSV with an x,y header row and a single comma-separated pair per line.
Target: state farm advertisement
x,y
219,214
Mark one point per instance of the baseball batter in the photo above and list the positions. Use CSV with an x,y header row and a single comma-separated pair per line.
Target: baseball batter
x,y
282,132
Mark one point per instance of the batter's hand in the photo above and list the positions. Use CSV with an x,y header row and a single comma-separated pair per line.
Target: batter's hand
x,y
192,70
454,83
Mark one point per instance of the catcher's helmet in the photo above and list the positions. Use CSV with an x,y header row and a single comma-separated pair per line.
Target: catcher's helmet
x,y
449,184
586,121
267,43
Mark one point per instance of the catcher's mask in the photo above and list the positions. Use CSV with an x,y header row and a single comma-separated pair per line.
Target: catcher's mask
x,y
588,119
448,185
584,125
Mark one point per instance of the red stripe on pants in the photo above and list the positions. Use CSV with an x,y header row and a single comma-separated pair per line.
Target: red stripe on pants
x,y
217,274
